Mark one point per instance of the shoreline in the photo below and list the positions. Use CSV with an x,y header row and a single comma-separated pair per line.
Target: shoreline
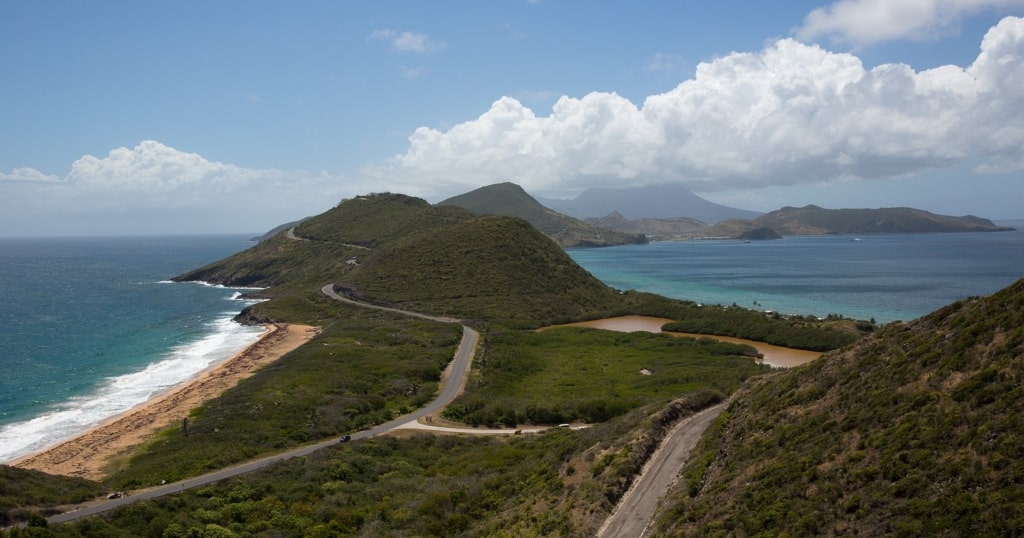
x,y
92,453
772,355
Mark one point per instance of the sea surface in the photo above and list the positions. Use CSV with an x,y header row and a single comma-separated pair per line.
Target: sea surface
x,y
884,277
90,327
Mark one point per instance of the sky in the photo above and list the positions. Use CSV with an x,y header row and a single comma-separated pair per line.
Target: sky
x,y
127,118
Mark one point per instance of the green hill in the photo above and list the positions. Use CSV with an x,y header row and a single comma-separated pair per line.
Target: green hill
x,y
511,200
24,492
813,220
399,250
916,431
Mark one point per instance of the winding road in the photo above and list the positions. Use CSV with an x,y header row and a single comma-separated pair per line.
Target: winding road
x,y
630,518
456,375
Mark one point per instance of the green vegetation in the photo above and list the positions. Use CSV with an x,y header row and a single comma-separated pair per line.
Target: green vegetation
x,y
509,199
362,370
366,366
798,332
573,374
559,483
490,268
24,492
812,219
913,432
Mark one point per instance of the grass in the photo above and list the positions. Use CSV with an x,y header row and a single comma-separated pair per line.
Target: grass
x,y
363,369
574,374
914,432
559,483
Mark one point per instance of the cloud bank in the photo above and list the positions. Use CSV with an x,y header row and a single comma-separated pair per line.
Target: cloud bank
x,y
156,188
792,113
866,22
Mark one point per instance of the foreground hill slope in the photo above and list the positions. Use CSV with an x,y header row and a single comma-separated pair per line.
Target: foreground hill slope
x,y
511,200
916,431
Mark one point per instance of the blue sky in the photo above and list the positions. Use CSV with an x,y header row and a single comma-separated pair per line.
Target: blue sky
x,y
146,117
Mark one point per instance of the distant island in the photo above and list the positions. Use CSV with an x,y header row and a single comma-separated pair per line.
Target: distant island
x,y
694,217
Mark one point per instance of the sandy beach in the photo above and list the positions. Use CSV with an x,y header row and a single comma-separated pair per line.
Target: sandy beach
x,y
91,454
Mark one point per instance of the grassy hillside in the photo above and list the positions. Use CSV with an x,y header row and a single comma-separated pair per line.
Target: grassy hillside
x,y
812,220
25,492
914,432
366,366
560,483
587,375
487,268
511,200
399,250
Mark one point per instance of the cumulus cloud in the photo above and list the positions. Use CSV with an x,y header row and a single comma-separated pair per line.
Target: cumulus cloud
x,y
791,113
130,188
865,22
408,41
27,174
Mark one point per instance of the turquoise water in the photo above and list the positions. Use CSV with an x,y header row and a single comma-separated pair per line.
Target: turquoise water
x,y
91,327
885,277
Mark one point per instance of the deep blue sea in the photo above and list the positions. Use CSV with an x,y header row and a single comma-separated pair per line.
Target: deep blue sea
x,y
885,277
90,327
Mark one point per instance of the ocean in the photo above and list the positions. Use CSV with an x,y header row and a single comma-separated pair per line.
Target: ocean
x,y
880,277
91,327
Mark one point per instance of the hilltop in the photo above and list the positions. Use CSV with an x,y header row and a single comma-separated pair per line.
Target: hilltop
x,y
815,220
509,199
915,431
401,251
662,201
366,366
676,228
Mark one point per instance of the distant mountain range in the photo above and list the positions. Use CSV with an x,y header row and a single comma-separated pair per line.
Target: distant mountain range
x,y
807,220
649,201
510,200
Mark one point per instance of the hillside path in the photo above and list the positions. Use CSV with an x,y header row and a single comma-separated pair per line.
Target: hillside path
x,y
636,509
455,380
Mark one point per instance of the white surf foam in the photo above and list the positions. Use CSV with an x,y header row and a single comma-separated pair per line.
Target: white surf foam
x,y
121,393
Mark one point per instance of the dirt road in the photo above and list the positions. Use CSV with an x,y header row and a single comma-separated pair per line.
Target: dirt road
x,y
634,512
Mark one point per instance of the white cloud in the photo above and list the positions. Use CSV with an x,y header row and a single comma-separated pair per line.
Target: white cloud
x,y
865,22
28,174
789,114
149,188
408,41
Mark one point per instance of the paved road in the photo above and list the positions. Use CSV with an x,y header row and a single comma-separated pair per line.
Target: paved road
x,y
463,356
637,506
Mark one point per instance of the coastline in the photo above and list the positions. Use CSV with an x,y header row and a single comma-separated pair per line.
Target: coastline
x,y
776,356
91,453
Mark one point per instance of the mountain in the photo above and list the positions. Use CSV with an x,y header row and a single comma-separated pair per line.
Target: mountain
x,y
814,220
662,229
511,200
916,431
650,201
400,250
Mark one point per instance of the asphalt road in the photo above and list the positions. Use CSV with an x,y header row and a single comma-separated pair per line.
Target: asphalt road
x,y
460,363
637,507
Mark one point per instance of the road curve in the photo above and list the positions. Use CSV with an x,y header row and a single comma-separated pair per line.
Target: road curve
x,y
459,365
636,508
